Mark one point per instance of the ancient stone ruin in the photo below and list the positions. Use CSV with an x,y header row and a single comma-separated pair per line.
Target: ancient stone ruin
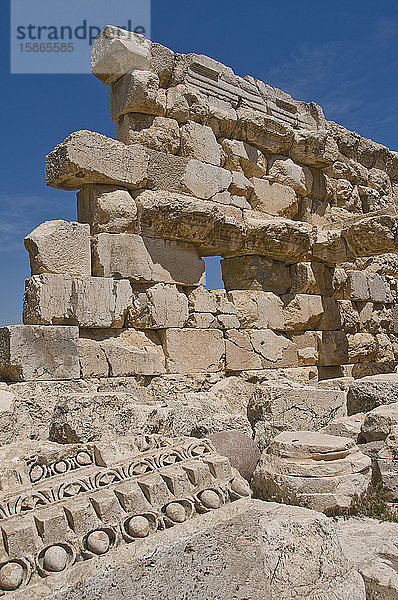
x,y
126,364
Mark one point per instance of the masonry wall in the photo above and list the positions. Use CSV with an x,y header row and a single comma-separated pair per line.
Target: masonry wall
x,y
208,163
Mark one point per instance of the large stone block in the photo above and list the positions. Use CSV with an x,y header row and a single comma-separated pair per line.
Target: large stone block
x,y
137,92
158,307
240,156
258,349
116,52
147,260
284,170
275,407
274,198
367,393
258,310
130,352
255,273
107,209
153,132
29,352
199,142
86,157
193,351
205,180
59,247
85,301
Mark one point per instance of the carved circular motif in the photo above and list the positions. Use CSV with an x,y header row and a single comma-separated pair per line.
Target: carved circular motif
x,y
210,499
138,527
176,512
55,558
61,467
83,458
36,473
240,487
98,542
11,576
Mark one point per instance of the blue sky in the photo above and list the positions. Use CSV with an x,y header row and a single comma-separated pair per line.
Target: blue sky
x,y
342,55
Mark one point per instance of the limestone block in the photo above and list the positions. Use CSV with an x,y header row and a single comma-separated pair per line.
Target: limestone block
x,y
311,278
228,321
350,316
144,259
93,362
358,285
273,198
275,407
59,247
284,170
85,301
204,180
29,352
191,351
330,247
201,300
158,306
302,311
323,472
257,309
199,320
223,303
362,347
130,352
137,92
222,117
346,426
369,545
379,422
153,132
263,131
242,157
255,273
372,391
116,52
307,347
315,148
86,157
162,62
371,235
241,186
185,103
258,349
106,209
199,142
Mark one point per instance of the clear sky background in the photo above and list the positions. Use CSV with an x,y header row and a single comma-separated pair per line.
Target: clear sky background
x,y
341,54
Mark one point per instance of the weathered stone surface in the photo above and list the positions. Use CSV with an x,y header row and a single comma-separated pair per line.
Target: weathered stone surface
x,y
240,156
158,133
86,157
199,142
85,301
255,273
130,352
284,170
212,539
369,392
92,358
258,349
346,426
315,148
59,247
322,472
205,180
273,198
107,209
311,278
116,52
274,408
379,422
137,92
148,260
257,309
241,451
29,352
370,547
158,306
190,351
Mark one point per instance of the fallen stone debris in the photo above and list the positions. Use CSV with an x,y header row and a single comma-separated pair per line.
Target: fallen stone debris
x,y
162,440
